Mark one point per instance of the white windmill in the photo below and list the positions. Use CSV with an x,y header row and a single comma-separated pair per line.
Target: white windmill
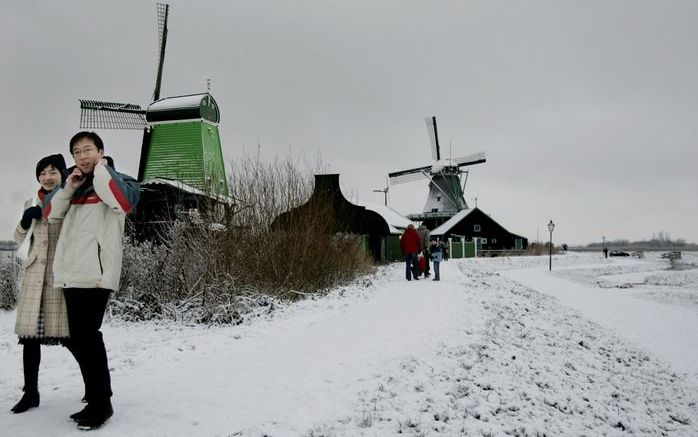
x,y
445,188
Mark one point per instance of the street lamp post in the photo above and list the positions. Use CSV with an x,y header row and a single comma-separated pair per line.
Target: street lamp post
x,y
551,227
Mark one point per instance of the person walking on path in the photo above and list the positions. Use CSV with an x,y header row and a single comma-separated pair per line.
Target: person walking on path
x,y
41,312
424,237
437,255
93,204
410,245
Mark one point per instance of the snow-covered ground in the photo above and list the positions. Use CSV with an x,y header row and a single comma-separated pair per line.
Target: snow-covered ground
x,y
498,347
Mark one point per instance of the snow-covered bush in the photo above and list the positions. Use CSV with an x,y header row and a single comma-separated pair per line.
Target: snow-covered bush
x,y
198,272
9,277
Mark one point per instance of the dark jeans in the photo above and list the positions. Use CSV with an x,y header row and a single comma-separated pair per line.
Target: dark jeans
x,y
436,271
86,308
411,266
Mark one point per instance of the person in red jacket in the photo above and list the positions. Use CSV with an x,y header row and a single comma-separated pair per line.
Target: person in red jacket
x,y
410,244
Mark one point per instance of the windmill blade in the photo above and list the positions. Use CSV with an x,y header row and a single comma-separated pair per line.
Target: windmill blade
x,y
163,13
96,114
433,138
475,158
410,175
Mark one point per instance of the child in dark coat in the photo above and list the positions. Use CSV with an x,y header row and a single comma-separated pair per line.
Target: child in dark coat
x,y
437,255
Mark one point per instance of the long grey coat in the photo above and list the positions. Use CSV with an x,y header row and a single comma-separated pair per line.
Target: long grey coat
x,y
424,236
37,294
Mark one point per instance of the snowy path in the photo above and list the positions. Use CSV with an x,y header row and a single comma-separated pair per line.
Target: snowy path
x,y
476,354
669,332
309,361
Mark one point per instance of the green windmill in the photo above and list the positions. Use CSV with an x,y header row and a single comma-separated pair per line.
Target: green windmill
x,y
181,150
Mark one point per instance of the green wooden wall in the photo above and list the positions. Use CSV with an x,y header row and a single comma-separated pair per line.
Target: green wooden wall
x,y
189,152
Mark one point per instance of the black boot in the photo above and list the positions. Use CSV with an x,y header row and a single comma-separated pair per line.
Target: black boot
x,y
76,417
31,358
94,415
30,399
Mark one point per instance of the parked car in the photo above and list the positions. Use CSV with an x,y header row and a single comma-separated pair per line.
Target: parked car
x,y
618,253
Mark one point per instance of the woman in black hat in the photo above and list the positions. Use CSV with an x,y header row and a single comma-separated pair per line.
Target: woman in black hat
x,y
41,312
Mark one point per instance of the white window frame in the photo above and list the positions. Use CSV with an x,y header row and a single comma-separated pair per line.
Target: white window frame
x,y
476,228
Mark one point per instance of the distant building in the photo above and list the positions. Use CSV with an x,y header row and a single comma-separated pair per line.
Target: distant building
x,y
380,235
474,223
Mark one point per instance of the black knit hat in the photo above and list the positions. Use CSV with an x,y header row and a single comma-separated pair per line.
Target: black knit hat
x,y
57,161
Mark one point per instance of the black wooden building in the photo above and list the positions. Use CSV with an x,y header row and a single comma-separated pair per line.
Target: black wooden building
x,y
474,223
328,202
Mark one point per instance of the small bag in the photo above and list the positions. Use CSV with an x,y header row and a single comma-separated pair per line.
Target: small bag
x,y
422,263
22,251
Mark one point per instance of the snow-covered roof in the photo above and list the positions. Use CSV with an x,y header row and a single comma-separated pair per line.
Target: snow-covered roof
x,y
448,224
191,101
396,221
192,107
185,187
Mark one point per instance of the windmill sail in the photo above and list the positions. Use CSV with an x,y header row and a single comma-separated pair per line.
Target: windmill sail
x,y
96,114
410,175
434,138
163,13
472,159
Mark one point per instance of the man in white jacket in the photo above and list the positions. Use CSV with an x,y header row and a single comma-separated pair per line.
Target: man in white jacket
x,y
93,204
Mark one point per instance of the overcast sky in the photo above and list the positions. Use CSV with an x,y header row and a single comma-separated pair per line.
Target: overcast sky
x,y
587,110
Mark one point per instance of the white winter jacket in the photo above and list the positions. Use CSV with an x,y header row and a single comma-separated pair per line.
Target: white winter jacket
x,y
89,250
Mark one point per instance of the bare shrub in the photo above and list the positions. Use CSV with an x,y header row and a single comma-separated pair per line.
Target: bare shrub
x,y
304,255
10,270
201,271
541,249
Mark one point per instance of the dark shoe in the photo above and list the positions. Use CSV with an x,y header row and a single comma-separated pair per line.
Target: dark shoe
x,y
436,279
416,278
29,400
94,415
76,417
426,275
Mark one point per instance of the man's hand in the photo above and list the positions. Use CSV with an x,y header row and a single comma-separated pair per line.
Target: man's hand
x,y
75,179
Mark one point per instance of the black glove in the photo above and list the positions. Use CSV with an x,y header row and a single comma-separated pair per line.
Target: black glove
x,y
31,213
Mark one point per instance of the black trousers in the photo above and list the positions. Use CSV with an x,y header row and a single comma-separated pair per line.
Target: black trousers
x,y
86,308
31,358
